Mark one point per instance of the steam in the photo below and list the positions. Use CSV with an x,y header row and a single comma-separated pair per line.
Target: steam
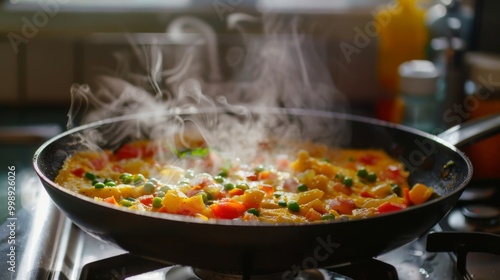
x,y
280,68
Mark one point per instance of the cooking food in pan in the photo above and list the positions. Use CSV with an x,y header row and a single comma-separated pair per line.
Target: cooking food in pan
x,y
314,183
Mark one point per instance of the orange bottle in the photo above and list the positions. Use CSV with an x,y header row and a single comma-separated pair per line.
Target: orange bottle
x,y
403,36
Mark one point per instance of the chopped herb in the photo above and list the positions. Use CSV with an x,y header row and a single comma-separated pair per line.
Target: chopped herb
x,y
328,216
253,211
196,152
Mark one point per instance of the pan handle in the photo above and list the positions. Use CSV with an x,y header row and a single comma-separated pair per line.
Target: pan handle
x,y
472,131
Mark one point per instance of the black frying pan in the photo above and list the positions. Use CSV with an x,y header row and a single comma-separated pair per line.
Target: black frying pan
x,y
240,247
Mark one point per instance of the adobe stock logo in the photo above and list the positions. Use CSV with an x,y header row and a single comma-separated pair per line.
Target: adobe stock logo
x,y
31,25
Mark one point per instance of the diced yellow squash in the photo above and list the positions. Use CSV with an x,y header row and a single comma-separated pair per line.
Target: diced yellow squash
x,y
420,193
252,198
381,191
315,204
308,196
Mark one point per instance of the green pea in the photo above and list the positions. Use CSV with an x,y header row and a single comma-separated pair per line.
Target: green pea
x,y
293,206
165,188
259,168
157,202
302,188
148,187
218,179
277,194
126,178
228,186
160,194
126,202
154,181
99,185
372,177
242,186
110,184
90,176
139,179
223,173
282,203
204,196
362,173
348,182
340,177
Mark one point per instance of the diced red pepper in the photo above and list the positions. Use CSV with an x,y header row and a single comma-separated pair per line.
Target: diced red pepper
x,y
253,177
118,168
98,163
128,151
366,194
343,205
147,200
406,196
78,172
135,150
228,209
390,207
368,159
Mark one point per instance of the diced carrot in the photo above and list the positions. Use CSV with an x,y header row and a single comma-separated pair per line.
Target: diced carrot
x,y
268,189
111,200
264,174
342,188
312,215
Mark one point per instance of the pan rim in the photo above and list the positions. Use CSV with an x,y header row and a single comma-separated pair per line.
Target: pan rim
x,y
223,222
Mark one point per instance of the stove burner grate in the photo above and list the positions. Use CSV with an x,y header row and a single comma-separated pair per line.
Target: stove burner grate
x,y
127,265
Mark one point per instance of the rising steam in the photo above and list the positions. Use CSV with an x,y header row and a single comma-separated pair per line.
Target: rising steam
x,y
279,68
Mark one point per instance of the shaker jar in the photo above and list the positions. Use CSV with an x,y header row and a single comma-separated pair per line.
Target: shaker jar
x,y
418,87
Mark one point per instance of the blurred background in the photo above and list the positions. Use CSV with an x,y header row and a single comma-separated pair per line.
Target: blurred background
x,y
49,45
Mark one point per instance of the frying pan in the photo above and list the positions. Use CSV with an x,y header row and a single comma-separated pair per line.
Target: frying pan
x,y
246,248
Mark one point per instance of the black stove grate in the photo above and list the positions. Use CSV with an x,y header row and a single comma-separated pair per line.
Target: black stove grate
x,y
127,265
